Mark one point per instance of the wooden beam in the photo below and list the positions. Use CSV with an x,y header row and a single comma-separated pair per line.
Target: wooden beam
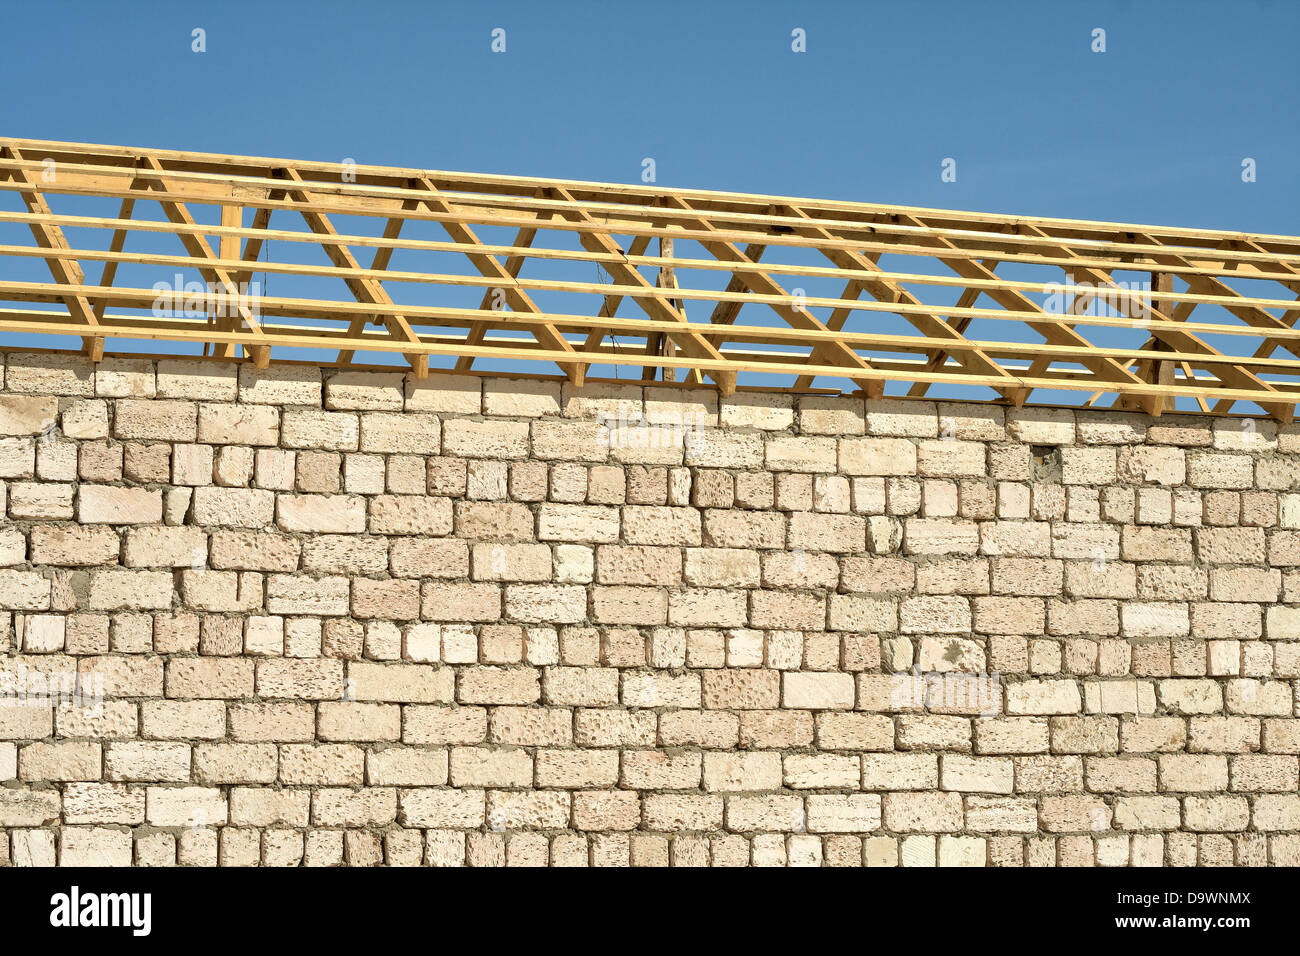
x,y
747,271
108,275
490,267
928,323
198,248
514,265
379,263
380,188
1187,342
51,237
693,345
365,290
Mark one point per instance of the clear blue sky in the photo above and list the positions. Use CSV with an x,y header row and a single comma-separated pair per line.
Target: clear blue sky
x,y
1151,131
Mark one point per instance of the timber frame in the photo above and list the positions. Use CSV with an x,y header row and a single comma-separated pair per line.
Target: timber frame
x,y
587,275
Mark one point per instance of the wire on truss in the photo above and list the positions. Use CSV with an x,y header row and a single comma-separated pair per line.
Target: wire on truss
x,y
604,278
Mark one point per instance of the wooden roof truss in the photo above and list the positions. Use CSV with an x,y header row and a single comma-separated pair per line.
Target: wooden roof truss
x,y
709,289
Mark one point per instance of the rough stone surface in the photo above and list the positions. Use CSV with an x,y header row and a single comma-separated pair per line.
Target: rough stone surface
x,y
289,618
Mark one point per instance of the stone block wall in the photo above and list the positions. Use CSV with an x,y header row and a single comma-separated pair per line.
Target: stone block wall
x,y
301,616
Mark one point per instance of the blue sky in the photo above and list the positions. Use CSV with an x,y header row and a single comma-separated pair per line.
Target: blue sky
x,y
1154,130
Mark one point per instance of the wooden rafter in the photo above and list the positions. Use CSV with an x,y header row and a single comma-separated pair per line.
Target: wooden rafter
x,y
1185,341
203,255
967,299
609,306
514,264
67,271
109,274
379,263
365,290
227,248
885,290
755,279
491,268
1289,319
656,308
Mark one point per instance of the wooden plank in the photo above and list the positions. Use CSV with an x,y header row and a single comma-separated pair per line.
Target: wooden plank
x,y
693,345
319,308
659,343
747,271
927,323
296,338
1136,261
379,263
1054,332
1269,346
198,248
227,248
734,296
1185,341
369,291
387,183
490,267
109,273
967,299
514,265
50,237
